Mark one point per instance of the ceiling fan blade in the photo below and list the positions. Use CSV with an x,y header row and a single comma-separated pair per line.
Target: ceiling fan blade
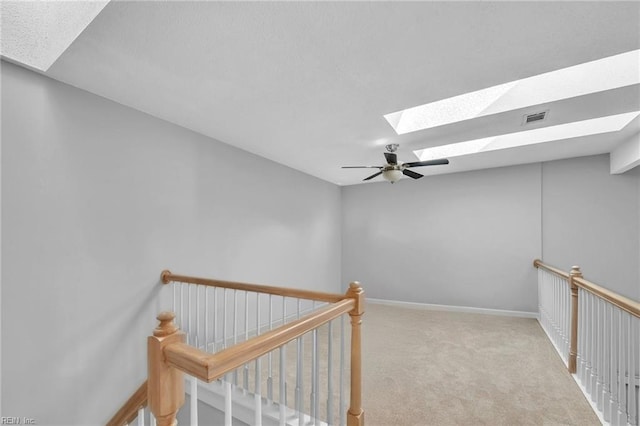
x,y
391,157
373,175
427,163
362,167
412,174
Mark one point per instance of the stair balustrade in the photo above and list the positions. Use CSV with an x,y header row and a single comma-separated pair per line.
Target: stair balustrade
x,y
597,333
271,346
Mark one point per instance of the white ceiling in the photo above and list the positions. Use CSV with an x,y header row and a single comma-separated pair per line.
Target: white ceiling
x,y
307,84
35,33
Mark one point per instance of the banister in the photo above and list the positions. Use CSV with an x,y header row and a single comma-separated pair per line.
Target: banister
x,y
614,298
538,264
209,367
622,302
168,277
129,411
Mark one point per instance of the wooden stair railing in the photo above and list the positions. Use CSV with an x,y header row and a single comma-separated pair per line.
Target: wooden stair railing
x,y
598,331
129,410
576,281
169,357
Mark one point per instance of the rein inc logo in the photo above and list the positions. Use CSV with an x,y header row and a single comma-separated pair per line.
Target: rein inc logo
x,y
17,421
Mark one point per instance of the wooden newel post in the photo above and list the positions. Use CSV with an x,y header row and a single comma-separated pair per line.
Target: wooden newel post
x,y
573,348
165,384
355,415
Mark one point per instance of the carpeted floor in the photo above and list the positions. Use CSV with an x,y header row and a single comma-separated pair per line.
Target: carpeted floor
x,y
424,367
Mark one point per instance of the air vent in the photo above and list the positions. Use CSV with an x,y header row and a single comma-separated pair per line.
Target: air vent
x,y
534,118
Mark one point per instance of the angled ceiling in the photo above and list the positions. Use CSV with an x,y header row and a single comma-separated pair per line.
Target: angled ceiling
x,y
307,84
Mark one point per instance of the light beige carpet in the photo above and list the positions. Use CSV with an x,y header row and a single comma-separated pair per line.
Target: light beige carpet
x,y
424,367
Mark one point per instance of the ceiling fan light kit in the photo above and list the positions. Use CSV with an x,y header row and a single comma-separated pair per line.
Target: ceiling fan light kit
x,y
393,171
392,175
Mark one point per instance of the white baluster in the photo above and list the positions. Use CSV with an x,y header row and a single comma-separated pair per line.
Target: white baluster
x,y
270,356
299,372
622,357
189,314
257,420
540,301
182,288
141,416
594,348
235,331
600,354
606,363
613,372
193,399
314,374
206,319
330,373
174,304
283,396
615,377
152,419
589,340
632,363
224,320
284,316
197,319
562,318
317,384
245,382
256,388
343,412
582,333
228,415
215,318
257,393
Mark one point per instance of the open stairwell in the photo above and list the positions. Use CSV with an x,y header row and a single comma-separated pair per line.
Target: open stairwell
x,y
252,354
258,355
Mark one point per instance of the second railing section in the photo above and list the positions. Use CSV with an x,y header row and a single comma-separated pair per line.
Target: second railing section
x,y
597,334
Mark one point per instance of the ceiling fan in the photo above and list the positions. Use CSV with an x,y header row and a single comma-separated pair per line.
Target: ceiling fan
x,y
393,171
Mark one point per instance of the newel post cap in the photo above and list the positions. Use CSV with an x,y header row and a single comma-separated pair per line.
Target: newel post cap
x,y
166,326
575,271
164,276
356,292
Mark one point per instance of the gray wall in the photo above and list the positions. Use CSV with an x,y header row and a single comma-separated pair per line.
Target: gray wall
x,y
590,218
465,239
97,199
469,239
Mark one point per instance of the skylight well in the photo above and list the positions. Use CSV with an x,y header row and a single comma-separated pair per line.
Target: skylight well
x,y
595,126
596,76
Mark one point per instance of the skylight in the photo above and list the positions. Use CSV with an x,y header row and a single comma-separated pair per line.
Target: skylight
x,y
590,77
595,126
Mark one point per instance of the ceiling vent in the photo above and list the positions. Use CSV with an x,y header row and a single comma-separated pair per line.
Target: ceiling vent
x,y
535,118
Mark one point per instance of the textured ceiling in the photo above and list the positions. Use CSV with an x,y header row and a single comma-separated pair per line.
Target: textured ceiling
x,y
36,33
306,84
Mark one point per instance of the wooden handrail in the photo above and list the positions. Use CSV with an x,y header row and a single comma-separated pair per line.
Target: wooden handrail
x,y
209,367
129,410
538,264
168,277
614,298
622,302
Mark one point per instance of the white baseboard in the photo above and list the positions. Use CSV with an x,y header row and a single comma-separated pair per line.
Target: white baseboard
x,y
466,309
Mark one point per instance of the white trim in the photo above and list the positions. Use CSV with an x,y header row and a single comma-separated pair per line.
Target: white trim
x,y
448,308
